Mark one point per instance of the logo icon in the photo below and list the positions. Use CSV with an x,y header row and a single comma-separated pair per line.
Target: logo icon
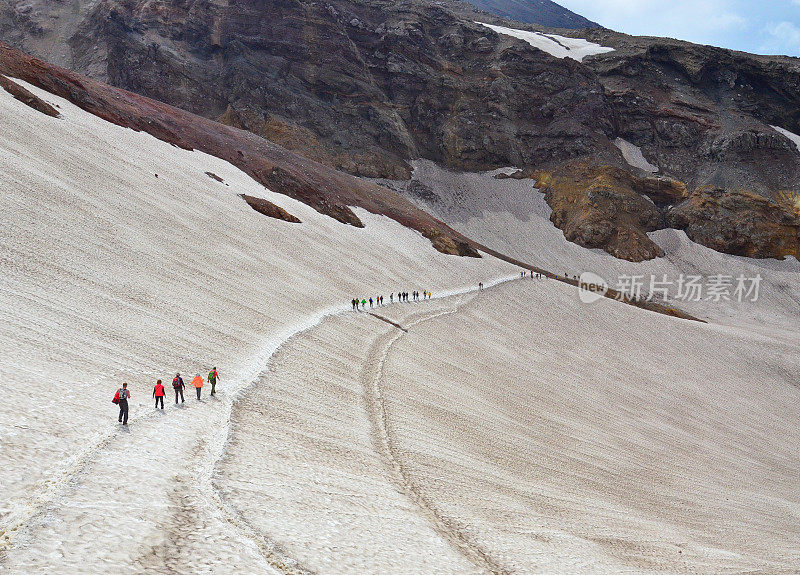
x,y
591,287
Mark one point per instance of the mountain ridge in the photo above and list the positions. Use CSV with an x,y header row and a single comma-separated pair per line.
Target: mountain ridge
x,y
366,86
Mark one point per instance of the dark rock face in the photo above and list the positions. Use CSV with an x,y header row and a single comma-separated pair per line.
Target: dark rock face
x,y
543,12
359,85
704,114
364,85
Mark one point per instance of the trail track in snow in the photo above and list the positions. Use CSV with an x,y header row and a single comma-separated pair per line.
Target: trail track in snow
x,y
270,549
371,372
371,377
22,525
41,500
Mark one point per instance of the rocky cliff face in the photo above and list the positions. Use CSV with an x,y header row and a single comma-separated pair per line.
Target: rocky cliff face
x,y
362,86
609,208
543,12
365,85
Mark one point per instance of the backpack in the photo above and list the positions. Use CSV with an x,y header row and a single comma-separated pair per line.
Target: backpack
x,y
177,383
116,397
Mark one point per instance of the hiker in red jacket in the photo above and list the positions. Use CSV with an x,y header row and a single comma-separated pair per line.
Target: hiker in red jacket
x,y
158,393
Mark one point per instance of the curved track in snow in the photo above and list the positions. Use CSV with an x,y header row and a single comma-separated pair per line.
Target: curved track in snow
x,y
372,376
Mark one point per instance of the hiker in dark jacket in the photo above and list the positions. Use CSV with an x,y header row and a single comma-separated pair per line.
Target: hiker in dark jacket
x,y
124,395
178,386
158,393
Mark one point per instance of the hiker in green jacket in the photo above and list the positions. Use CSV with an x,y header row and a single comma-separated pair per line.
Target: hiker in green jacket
x,y
212,378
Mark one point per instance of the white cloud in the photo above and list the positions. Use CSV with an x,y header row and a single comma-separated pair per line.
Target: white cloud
x,y
782,38
696,20
766,27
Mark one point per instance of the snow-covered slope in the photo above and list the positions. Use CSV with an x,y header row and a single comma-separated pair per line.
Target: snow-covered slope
x,y
548,437
553,44
123,261
657,446
511,216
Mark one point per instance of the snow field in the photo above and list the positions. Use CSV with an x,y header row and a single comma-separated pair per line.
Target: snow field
x,y
633,155
553,44
534,433
112,274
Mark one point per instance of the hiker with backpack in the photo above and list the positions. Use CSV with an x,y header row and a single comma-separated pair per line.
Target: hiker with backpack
x,y
121,399
197,382
178,386
212,379
158,393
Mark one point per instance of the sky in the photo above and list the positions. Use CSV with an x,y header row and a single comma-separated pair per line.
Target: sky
x,y
761,27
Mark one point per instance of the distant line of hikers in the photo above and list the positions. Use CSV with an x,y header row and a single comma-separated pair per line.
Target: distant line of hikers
x,y
361,303
378,300
123,393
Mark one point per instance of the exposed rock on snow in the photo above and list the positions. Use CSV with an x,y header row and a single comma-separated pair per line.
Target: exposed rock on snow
x,y
267,208
214,176
553,44
26,97
633,155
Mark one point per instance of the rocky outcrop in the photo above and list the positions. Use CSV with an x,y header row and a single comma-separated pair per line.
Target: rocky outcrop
x,y
608,208
27,98
611,209
739,222
269,209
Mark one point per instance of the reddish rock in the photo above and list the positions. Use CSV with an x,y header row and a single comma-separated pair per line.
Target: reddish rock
x,y
267,208
27,98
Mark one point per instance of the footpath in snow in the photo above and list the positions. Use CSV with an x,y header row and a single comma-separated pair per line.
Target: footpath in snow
x,y
123,261
516,430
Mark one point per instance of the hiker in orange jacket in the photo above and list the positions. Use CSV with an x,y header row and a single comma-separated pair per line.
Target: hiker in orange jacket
x,y
197,382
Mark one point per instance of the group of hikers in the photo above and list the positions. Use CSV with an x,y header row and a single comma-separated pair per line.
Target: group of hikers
x,y
123,393
361,303
378,300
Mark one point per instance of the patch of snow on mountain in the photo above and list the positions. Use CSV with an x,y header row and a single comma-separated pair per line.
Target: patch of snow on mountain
x,y
633,155
553,44
791,135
